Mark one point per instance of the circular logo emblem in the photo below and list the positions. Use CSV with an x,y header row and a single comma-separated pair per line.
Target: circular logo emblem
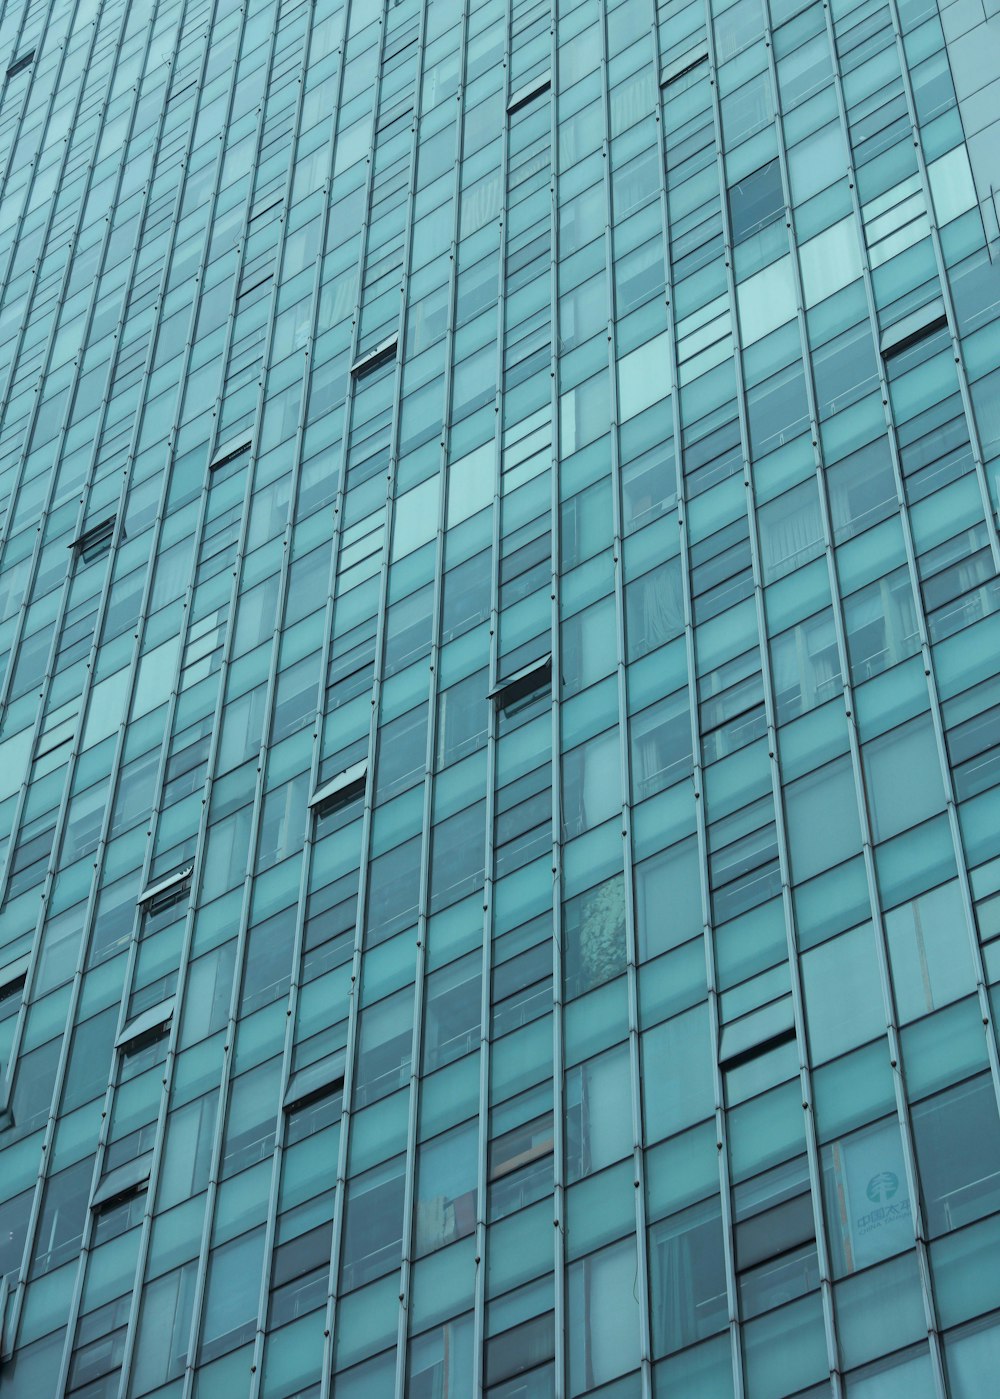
x,y
882,1187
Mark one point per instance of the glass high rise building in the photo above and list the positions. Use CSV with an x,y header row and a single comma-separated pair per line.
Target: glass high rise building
x,y
500,663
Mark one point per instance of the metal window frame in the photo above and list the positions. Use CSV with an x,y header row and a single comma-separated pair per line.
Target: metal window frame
x,y
162,886
529,680
374,358
340,789
20,64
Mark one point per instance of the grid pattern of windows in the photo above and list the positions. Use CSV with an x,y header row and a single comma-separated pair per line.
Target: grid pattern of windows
x,y
499,699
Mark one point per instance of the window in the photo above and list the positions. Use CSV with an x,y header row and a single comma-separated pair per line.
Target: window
x,y
164,1325
146,1029
868,1211
373,1225
881,625
95,542
462,716
591,791
229,453
528,93
598,1113
694,58
791,531
594,936
602,1295
231,1295
60,1225
314,1099
909,332
518,1350
527,684
522,974
251,1122
957,1138
385,1042
164,892
446,1188
452,1011
402,753
756,201
19,64
299,1274
120,1201
904,778
687,1277
654,609
520,1157
775,1238
375,358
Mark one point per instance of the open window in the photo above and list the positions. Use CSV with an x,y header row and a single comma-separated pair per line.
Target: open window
x,y
20,64
687,63
920,325
528,93
162,893
341,790
314,1098
95,541
147,1028
375,358
229,452
524,685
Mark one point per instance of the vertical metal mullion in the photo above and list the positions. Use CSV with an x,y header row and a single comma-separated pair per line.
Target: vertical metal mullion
x,y
103,838
25,101
949,305
353,1013
257,802
881,945
909,1155
412,1126
91,900
555,761
697,774
485,1027
49,1130
795,981
632,955
7,680
935,702
86,488
188,934
13,496
298,931
56,629
925,649
19,223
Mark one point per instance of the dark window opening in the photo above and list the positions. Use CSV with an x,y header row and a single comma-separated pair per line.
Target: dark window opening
x,y
19,64
525,685
913,337
686,66
757,1051
528,94
375,358
233,454
95,542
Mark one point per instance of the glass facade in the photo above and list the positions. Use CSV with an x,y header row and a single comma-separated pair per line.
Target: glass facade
x,y
500,680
